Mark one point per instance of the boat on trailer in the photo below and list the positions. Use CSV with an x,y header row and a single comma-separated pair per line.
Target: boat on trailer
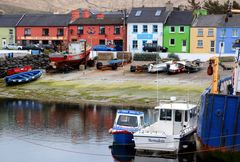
x,y
172,132
126,123
23,77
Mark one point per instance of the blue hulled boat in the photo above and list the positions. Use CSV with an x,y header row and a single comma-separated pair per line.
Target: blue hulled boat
x,y
126,123
23,77
219,117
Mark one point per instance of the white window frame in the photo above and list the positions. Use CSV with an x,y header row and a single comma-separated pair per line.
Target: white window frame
x,y
170,29
235,32
212,47
180,29
143,29
200,30
136,47
138,13
156,28
222,32
210,31
170,42
198,44
133,28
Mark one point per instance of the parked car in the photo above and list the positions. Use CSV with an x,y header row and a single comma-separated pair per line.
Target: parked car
x,y
149,47
118,48
103,48
13,47
33,47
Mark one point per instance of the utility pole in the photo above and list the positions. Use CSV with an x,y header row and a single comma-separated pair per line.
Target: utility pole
x,y
124,11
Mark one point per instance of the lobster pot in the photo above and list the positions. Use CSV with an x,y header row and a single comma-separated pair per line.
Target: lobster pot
x,y
105,56
124,56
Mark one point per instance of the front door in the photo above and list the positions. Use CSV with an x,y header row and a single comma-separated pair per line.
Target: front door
x,y
184,46
4,42
221,47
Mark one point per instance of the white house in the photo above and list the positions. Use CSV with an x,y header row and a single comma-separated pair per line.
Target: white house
x,y
146,25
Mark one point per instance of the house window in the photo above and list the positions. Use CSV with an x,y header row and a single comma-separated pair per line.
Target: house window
x,y
155,42
116,29
235,33
102,41
212,46
45,32
60,32
102,29
145,28
80,30
135,44
200,44
27,32
155,28
135,28
222,33
172,42
210,32
172,29
143,42
200,33
138,13
181,29
158,13
10,31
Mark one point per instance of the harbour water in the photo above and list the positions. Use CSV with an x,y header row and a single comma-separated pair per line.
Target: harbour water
x,y
56,132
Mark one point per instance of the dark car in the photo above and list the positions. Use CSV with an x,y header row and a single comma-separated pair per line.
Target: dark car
x,y
103,48
33,47
149,47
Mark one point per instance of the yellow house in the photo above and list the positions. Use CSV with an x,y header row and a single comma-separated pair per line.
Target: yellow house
x,y
203,34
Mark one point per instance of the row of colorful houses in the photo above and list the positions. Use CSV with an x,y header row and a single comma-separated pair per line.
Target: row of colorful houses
x,y
179,30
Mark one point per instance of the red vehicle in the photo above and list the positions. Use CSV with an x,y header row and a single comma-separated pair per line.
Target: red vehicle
x,y
18,70
78,55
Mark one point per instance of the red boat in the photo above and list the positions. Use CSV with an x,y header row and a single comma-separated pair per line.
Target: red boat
x,y
18,70
78,54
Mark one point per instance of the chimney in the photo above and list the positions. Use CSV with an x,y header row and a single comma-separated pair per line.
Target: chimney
x,y
75,14
86,14
100,16
181,8
169,6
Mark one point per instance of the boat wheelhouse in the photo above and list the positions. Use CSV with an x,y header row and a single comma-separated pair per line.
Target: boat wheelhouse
x,y
126,123
176,123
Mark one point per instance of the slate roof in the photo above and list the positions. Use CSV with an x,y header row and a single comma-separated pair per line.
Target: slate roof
x,y
9,20
148,15
180,18
233,21
45,20
208,21
109,19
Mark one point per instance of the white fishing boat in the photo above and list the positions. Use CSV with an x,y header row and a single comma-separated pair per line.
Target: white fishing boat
x,y
173,131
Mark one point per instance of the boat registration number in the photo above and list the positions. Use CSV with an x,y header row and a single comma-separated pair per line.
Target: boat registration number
x,y
156,140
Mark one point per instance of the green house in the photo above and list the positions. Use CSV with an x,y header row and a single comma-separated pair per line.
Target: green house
x,y
176,33
7,29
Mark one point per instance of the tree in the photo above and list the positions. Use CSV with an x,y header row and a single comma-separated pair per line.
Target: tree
x,y
193,5
214,7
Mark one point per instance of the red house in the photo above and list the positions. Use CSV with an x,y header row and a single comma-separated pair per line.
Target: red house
x,y
97,28
43,29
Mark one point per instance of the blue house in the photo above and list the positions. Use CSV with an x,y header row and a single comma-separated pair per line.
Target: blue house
x,y
227,33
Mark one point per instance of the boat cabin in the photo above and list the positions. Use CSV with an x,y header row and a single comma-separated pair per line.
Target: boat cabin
x,y
177,118
129,118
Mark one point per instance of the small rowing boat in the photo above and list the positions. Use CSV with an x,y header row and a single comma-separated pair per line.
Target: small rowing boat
x,y
23,77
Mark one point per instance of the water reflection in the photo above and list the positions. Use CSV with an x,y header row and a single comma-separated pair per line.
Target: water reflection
x,y
57,132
